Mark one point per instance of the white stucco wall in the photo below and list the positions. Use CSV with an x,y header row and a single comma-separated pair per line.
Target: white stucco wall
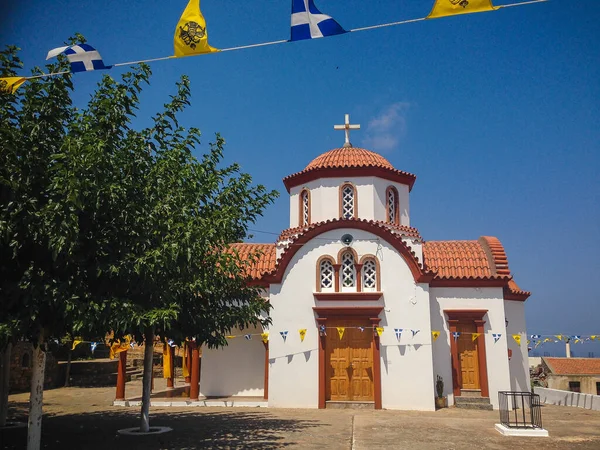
x,y
519,364
325,199
490,299
235,370
406,366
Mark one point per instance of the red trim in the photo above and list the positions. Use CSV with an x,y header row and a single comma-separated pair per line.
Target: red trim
x,y
366,312
266,386
348,296
469,316
419,275
350,172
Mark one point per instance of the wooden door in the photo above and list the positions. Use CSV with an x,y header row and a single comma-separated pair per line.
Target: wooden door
x,y
468,356
350,368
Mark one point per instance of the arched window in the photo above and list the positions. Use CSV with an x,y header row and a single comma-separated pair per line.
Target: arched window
x,y
326,274
304,207
347,201
392,208
347,272
369,275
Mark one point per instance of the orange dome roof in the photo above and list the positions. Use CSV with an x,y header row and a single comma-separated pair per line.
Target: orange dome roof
x,y
349,162
349,157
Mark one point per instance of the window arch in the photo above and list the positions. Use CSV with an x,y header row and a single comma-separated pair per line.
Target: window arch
x,y
369,274
392,207
348,201
304,213
325,275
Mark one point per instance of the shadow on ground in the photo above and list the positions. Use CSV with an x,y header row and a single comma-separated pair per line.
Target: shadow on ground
x,y
198,429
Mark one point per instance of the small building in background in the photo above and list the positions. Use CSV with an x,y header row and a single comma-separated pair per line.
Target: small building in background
x,y
573,374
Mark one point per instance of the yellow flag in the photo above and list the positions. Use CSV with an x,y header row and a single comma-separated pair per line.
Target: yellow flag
x,y
517,338
435,335
341,331
265,337
184,367
379,331
230,337
9,85
118,347
76,342
191,36
559,337
443,8
167,361
474,336
593,337
302,332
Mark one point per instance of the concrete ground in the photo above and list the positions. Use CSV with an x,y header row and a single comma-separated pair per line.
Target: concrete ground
x,y
82,418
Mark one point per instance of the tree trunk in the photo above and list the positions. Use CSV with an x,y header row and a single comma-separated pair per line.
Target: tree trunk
x,y
68,370
36,397
147,380
4,383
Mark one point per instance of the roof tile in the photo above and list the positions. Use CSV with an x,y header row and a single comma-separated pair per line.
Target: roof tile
x,y
573,366
264,263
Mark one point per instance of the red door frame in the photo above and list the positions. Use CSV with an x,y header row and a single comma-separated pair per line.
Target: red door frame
x,y
470,316
357,312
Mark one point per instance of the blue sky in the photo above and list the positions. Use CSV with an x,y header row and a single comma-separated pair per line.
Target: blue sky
x,y
498,114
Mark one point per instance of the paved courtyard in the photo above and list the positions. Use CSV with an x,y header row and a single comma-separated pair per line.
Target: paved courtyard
x,y
82,418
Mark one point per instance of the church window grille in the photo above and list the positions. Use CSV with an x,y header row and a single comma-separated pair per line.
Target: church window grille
x,y
327,274
392,205
369,275
348,271
305,208
348,201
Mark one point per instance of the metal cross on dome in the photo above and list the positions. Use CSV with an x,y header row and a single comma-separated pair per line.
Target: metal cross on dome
x,y
347,127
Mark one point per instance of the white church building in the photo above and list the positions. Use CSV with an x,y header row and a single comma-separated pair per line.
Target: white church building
x,y
364,309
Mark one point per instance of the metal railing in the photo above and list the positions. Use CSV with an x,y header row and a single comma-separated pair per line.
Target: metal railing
x,y
520,409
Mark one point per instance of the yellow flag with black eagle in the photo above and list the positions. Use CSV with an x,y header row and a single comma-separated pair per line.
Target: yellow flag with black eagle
x,y
443,8
9,85
191,35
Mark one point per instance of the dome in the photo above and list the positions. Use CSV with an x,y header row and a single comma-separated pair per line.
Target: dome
x,y
349,157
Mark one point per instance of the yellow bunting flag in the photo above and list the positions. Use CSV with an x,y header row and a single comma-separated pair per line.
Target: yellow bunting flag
x,y
593,337
341,331
167,362
302,332
517,338
474,336
265,337
230,337
118,346
76,342
548,340
559,337
9,85
191,36
379,331
443,8
184,366
435,335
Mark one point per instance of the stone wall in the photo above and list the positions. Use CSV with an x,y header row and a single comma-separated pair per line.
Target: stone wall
x,y
20,368
566,398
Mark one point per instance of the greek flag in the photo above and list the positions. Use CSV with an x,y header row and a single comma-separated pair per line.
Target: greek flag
x,y
309,23
83,57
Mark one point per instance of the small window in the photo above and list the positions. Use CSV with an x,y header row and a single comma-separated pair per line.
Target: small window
x,y
348,271
597,387
574,386
369,275
326,273
304,208
348,201
392,213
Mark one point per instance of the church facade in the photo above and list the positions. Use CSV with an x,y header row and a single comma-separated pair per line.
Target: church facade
x,y
367,311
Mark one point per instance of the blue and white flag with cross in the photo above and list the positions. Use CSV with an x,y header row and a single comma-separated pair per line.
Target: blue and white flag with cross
x,y
309,23
83,57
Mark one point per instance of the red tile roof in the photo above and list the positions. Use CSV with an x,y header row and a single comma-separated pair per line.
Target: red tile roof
x,y
264,263
573,366
457,259
348,162
399,229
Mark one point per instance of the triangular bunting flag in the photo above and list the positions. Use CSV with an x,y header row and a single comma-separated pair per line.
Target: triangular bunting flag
x,y
414,332
496,337
435,335
537,344
191,35
593,337
9,85
302,332
309,23
76,342
548,340
474,336
443,8
265,337
455,334
517,338
283,335
379,331
535,336
322,330
227,337
93,346
341,331
398,332
559,337
248,337
361,329
528,342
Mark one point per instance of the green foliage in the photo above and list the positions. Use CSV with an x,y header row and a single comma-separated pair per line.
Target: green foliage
x,y
105,227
